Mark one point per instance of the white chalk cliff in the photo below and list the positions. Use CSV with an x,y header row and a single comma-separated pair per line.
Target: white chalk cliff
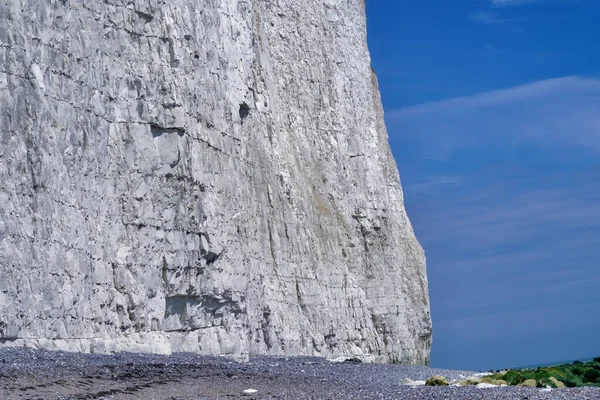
x,y
210,176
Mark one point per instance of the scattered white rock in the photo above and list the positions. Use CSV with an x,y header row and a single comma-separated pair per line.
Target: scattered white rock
x,y
248,392
547,389
366,358
483,385
410,382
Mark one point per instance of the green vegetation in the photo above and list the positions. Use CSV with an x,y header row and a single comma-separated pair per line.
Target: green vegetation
x,y
513,378
559,376
437,381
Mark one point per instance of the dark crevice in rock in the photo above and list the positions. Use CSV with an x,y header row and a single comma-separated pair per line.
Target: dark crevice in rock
x,y
299,297
265,323
211,257
272,244
173,61
210,146
140,225
184,178
174,163
165,272
182,330
244,111
145,16
2,329
158,130
170,106
112,24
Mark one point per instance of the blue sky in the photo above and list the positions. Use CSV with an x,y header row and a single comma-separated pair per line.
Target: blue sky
x,y
493,113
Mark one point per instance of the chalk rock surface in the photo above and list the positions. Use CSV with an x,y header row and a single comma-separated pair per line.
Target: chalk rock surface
x,y
210,176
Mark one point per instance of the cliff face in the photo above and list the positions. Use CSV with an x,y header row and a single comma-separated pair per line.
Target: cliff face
x,y
210,176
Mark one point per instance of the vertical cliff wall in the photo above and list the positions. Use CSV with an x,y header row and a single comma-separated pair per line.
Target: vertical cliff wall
x,y
201,175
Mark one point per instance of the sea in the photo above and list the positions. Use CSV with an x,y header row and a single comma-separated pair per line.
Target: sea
x,y
555,363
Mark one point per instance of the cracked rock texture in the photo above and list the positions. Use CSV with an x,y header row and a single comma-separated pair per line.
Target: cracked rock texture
x,y
210,176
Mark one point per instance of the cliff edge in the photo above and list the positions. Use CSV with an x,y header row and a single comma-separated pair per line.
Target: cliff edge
x,y
208,176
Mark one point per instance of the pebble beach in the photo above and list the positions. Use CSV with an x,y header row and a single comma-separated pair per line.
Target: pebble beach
x,y
38,374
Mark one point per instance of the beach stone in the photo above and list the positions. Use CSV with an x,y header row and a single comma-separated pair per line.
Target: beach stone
x,y
462,382
496,382
528,383
214,179
556,383
474,379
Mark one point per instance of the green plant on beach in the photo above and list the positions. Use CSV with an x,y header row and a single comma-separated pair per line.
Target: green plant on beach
x,y
570,375
513,378
573,381
591,375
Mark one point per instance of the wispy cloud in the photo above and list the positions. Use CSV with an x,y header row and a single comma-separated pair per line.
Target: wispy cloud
x,y
508,3
433,185
492,15
566,109
512,2
520,211
540,89
485,17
